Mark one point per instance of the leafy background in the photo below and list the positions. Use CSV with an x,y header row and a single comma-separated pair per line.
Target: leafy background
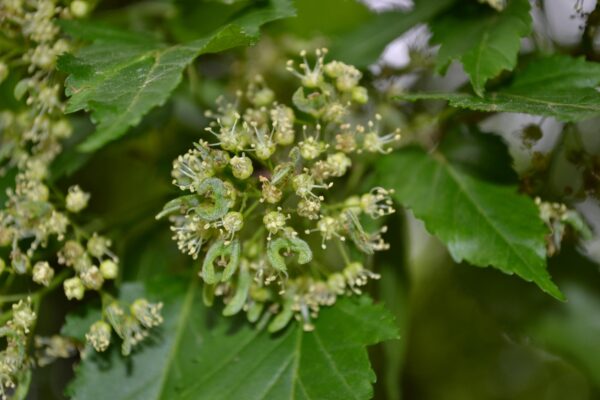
x,y
464,332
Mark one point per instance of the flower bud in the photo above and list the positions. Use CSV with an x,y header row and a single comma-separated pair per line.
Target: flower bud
x,y
79,8
77,199
147,313
23,316
233,221
74,288
360,95
70,253
6,236
98,246
345,142
263,97
274,221
336,283
303,184
241,167
377,203
99,335
42,273
271,193
62,129
264,150
311,149
92,278
309,208
338,164
109,269
283,121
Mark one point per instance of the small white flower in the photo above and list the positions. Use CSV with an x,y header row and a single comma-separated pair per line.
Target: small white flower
x,y
23,315
42,273
74,288
99,335
77,199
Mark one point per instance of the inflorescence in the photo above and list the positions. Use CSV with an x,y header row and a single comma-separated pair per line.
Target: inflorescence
x,y
267,207
30,140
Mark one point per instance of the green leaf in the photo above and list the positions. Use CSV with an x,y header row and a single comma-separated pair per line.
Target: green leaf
x,y
363,46
198,354
557,72
121,76
483,155
482,223
568,106
557,86
486,42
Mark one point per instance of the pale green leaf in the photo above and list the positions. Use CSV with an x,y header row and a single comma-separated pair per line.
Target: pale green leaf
x,y
198,354
486,42
482,223
121,76
559,86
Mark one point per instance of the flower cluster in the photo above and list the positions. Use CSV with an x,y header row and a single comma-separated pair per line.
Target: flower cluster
x,y
262,191
14,362
36,215
131,327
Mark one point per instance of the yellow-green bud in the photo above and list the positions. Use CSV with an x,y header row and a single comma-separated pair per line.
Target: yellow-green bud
x,y
274,221
303,184
311,149
79,8
147,313
241,167
264,150
271,193
74,288
309,208
263,97
233,221
42,273
77,199
99,336
92,278
97,246
109,269
338,163
23,315
360,95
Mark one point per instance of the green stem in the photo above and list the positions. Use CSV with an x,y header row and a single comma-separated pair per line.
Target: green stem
x,y
251,208
343,251
35,297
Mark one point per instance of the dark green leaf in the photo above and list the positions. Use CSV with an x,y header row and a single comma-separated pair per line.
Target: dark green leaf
x,y
486,41
201,355
557,86
121,76
483,155
482,223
